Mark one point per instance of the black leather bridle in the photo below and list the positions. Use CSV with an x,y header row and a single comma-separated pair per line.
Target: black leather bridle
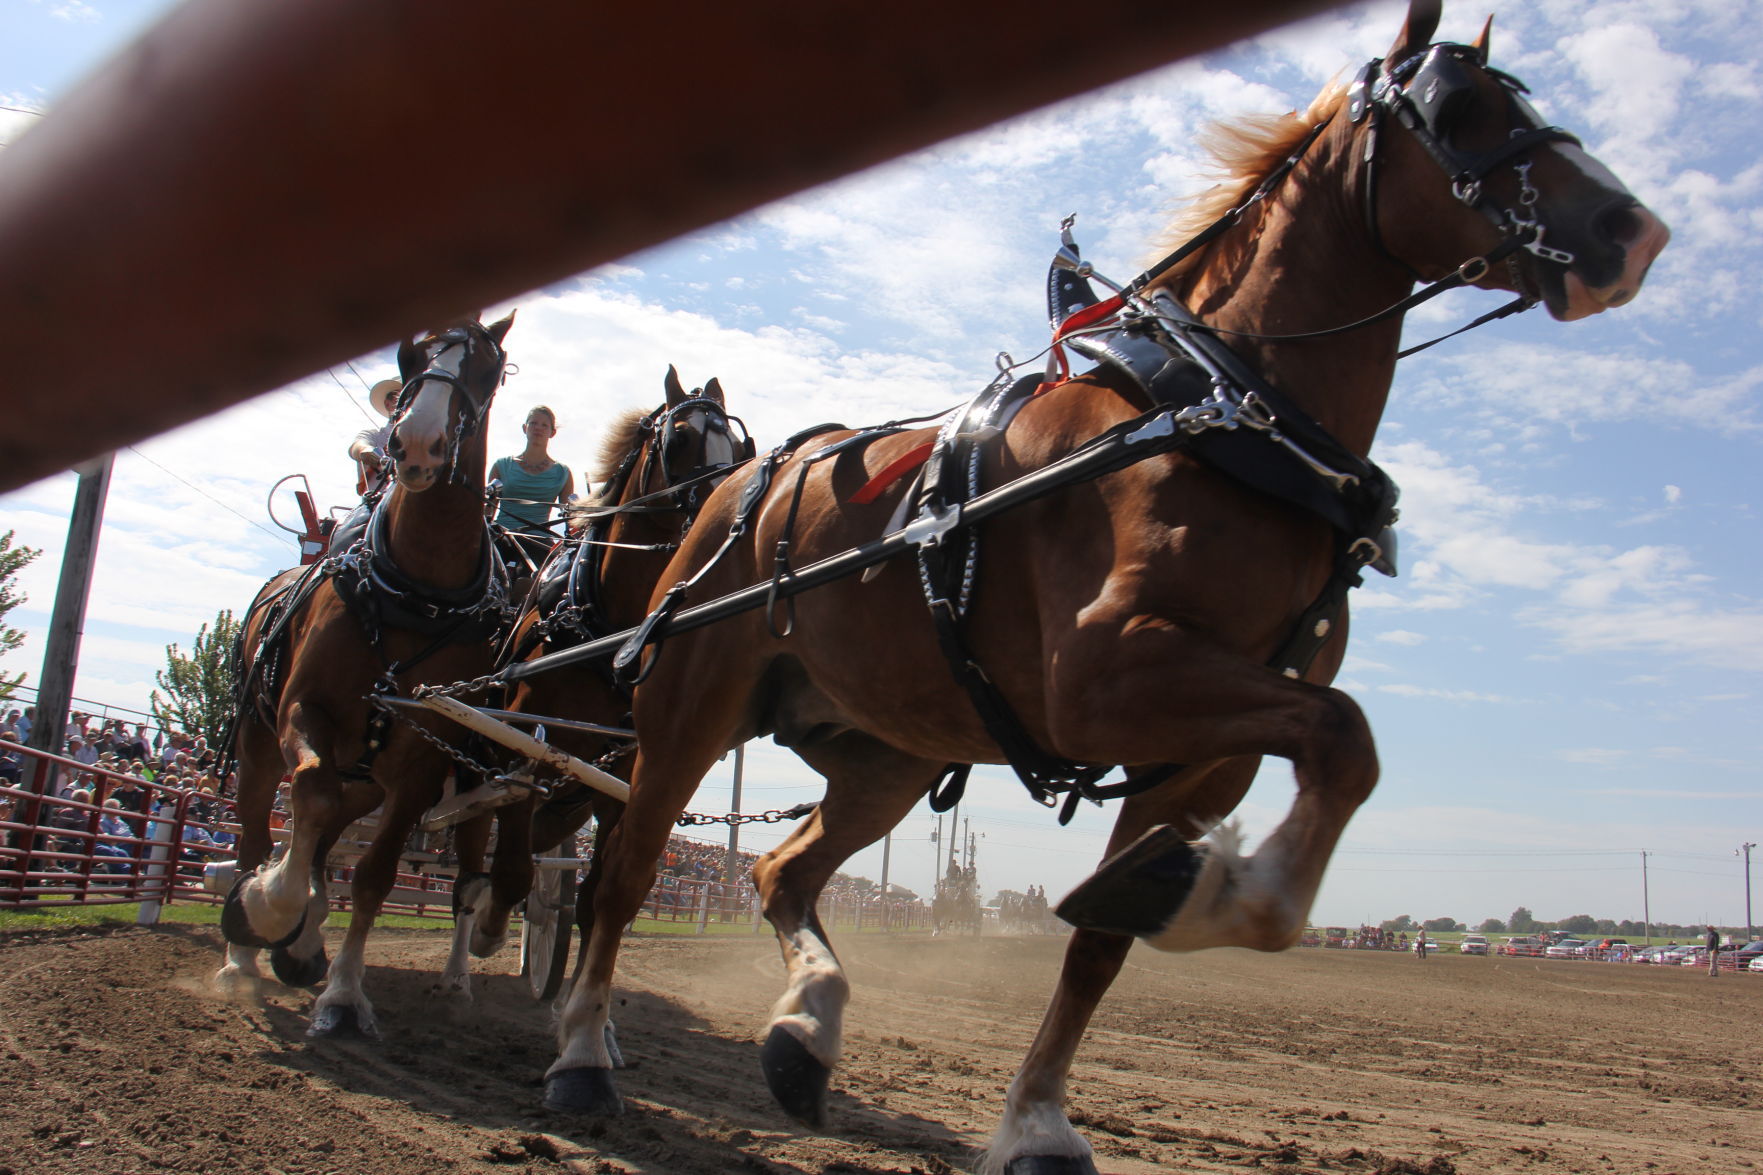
x,y
478,398
1428,93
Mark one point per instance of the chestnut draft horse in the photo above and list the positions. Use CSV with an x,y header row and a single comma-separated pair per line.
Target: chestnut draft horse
x,y
415,595
1179,615
655,471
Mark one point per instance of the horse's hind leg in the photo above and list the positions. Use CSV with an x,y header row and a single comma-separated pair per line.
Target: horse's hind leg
x,y
511,877
471,840
870,788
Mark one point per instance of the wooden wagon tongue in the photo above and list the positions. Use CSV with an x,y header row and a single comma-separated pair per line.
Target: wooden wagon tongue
x,y
523,743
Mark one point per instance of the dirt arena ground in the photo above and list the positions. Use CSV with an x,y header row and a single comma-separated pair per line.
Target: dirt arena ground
x,y
116,1057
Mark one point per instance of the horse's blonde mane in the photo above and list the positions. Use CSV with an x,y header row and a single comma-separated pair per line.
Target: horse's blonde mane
x,y
1244,152
620,438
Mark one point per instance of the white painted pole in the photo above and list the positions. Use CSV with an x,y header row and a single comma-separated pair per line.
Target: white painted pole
x,y
532,748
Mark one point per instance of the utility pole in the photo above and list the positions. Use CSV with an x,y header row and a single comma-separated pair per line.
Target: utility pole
x,y
732,868
67,622
1646,906
887,854
1746,850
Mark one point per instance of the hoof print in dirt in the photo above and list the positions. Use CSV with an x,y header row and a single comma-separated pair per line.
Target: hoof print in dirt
x,y
1049,1165
797,1080
341,1022
298,972
583,1091
1140,889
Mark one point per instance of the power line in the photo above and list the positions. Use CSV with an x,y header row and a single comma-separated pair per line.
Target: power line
x,y
346,392
272,534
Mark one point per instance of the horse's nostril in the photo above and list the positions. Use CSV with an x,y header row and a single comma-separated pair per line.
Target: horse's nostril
x,y
1618,225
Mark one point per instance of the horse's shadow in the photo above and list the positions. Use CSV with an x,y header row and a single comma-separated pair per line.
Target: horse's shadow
x,y
695,1099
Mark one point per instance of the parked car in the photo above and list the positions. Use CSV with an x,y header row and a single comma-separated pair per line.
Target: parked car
x,y
1473,944
1675,952
1745,954
1524,944
1756,964
1694,957
1650,954
1567,948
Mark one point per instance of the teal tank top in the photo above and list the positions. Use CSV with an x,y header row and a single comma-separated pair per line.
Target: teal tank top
x,y
539,487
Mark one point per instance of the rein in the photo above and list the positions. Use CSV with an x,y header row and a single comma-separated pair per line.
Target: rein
x,y
1374,92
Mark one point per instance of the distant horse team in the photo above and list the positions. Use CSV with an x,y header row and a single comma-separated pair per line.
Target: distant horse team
x,y
1143,567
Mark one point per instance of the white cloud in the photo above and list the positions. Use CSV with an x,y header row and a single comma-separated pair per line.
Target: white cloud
x,y
1400,636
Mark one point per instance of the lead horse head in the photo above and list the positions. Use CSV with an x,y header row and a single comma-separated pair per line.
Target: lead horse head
x,y
1559,226
450,378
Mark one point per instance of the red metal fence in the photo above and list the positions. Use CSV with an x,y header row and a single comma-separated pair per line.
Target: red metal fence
x,y
131,840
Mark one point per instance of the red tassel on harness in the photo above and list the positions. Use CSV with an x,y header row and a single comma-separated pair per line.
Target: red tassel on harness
x,y
900,467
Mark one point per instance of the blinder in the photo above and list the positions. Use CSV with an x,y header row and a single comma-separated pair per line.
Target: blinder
x,y
1430,93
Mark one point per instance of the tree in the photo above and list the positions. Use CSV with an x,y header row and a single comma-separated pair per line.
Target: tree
x,y
1522,921
1578,924
1492,926
1442,924
1400,925
12,561
199,688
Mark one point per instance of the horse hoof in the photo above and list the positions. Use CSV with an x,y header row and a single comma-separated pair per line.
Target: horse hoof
x,y
341,1022
1139,890
1049,1165
583,1091
235,923
298,972
797,1080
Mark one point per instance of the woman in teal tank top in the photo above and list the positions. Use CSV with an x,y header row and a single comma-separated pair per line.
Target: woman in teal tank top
x,y
533,485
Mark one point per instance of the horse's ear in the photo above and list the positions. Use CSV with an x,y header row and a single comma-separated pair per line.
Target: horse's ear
x,y
713,390
676,394
410,358
499,330
1480,44
1417,31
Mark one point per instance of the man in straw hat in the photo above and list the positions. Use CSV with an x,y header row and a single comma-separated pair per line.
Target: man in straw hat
x,y
369,446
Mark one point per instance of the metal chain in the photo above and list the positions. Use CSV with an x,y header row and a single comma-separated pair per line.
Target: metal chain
x,y
436,740
775,816
473,686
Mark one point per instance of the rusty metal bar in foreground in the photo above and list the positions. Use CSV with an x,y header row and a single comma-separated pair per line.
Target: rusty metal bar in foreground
x,y
254,191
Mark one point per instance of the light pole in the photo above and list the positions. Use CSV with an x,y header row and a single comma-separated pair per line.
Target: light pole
x,y
1746,850
1646,904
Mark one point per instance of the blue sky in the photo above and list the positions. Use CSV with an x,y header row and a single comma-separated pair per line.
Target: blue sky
x,y
1565,674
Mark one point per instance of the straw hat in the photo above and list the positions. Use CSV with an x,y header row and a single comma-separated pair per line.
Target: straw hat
x,y
383,395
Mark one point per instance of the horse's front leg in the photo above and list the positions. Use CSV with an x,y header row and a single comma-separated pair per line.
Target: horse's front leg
x,y
343,1009
1170,697
267,907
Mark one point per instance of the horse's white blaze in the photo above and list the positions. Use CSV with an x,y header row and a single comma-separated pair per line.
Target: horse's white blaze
x,y
581,1033
812,1008
1039,1128
423,430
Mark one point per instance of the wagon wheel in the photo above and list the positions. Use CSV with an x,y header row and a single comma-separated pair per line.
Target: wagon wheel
x,y
544,934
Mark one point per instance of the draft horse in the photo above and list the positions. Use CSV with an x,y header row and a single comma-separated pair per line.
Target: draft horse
x,y
655,470
415,594
1179,613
